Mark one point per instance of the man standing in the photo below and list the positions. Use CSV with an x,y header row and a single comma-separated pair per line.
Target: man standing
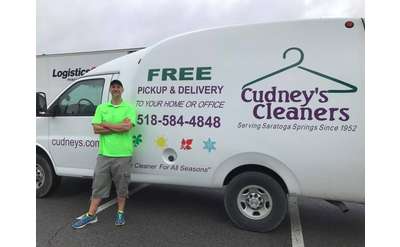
x,y
113,122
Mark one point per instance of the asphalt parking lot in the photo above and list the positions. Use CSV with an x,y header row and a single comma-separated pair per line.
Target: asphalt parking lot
x,y
160,215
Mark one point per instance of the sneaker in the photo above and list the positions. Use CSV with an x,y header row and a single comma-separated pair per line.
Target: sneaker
x,y
120,219
84,221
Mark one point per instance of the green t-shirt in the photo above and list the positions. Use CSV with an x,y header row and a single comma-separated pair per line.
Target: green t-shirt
x,y
115,144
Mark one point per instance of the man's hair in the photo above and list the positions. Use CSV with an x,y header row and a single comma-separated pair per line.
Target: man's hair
x,y
116,82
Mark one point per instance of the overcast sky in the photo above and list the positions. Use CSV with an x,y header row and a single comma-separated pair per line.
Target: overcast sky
x,y
74,25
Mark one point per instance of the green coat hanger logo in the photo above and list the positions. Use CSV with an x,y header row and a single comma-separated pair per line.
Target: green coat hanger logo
x,y
351,88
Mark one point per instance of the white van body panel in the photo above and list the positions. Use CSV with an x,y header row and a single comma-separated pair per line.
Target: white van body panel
x,y
308,126
42,132
260,159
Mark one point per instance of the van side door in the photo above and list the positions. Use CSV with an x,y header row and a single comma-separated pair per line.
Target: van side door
x,y
73,144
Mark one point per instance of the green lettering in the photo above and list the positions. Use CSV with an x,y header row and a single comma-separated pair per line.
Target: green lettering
x,y
168,73
203,73
152,73
186,74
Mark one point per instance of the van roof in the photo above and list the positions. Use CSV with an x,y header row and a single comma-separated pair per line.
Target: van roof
x,y
115,65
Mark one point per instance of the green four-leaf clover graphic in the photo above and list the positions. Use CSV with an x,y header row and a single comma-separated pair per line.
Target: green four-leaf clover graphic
x,y
137,140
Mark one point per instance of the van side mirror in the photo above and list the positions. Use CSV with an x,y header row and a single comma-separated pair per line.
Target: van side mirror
x,y
41,104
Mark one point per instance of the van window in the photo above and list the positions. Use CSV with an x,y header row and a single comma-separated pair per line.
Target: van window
x,y
81,99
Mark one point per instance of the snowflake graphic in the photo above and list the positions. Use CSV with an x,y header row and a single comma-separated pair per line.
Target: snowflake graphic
x,y
209,145
137,140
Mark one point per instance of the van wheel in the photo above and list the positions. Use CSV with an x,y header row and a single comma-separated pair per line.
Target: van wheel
x,y
255,202
46,179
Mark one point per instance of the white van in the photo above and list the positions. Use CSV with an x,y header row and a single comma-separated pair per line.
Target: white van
x,y
264,110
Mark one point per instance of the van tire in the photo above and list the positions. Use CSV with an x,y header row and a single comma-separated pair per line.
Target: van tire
x,y
46,179
262,206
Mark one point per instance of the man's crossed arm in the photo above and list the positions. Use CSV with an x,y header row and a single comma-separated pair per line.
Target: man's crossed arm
x,y
107,128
